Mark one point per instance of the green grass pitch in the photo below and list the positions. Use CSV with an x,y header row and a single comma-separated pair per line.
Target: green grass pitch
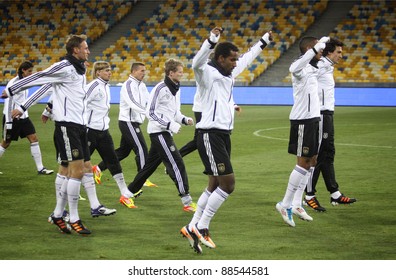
x,y
247,226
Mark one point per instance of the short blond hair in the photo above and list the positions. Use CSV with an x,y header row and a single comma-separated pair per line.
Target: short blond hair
x,y
99,65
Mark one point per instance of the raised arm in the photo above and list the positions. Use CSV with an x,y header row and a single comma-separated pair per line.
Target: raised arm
x,y
247,58
303,61
202,56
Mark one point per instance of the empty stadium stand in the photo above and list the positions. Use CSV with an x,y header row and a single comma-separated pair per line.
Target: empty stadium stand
x,y
369,35
177,28
36,30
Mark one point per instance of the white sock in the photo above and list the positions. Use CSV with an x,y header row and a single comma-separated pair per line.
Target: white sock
x,y
119,178
73,195
336,194
309,197
61,199
295,178
201,204
2,150
127,193
309,183
215,200
298,196
36,154
90,188
58,185
186,199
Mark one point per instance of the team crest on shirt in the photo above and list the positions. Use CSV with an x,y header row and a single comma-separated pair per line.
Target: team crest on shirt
x,y
137,129
172,148
325,135
74,75
221,167
305,150
75,153
100,95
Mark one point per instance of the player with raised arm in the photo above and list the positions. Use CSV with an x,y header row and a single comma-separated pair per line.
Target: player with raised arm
x,y
304,127
215,79
332,54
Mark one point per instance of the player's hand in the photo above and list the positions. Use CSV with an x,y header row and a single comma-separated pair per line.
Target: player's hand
x,y
174,127
268,37
321,44
44,118
324,39
15,114
188,121
319,47
238,109
4,94
215,34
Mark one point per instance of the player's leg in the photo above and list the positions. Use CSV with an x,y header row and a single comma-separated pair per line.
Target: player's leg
x,y
214,150
72,143
174,163
310,192
28,130
134,189
328,170
106,151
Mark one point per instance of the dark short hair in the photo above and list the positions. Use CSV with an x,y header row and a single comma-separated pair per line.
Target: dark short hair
x,y
74,41
224,49
24,66
306,42
136,65
331,46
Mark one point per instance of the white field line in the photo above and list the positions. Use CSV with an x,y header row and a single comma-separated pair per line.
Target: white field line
x,y
261,133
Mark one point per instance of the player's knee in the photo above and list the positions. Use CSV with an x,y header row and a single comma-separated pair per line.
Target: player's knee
x,y
227,183
76,171
32,138
229,188
5,144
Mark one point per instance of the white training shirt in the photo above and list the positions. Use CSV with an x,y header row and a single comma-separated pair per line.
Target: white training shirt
x,y
326,84
13,102
163,109
305,88
217,101
133,101
197,103
98,104
68,91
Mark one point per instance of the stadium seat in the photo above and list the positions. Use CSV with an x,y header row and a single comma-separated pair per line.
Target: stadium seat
x,y
369,36
36,30
177,28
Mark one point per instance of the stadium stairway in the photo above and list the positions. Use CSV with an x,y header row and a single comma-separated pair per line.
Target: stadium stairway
x,y
138,12
334,13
